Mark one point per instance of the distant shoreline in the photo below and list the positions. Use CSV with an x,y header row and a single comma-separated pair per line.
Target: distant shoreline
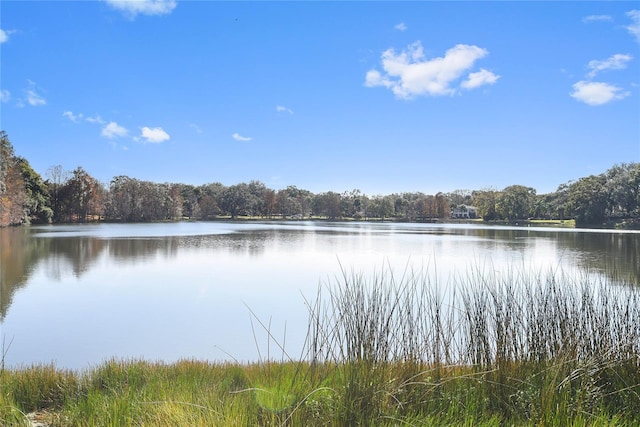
x,y
623,224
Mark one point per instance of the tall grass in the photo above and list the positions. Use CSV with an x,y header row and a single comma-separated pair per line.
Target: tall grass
x,y
517,347
522,344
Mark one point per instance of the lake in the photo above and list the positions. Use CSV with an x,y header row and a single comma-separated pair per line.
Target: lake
x,y
77,295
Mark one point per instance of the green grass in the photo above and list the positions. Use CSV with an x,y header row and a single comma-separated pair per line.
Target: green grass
x,y
519,348
563,223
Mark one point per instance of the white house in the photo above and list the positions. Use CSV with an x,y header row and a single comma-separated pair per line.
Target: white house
x,y
462,211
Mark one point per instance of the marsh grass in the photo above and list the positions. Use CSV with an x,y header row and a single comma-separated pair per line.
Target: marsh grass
x,y
488,348
520,344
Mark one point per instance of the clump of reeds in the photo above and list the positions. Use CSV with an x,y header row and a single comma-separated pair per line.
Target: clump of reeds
x,y
520,344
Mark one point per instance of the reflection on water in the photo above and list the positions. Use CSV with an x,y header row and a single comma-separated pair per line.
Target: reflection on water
x,y
612,253
18,255
79,294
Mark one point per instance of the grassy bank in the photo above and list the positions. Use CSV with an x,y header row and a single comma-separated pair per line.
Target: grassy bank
x,y
562,223
519,348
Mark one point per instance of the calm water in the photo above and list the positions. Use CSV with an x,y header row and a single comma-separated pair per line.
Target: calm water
x,y
79,295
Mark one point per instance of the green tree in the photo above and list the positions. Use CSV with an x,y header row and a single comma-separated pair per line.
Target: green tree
x,y
486,202
588,200
634,178
154,203
541,207
294,201
351,203
210,199
558,201
401,206
459,197
124,199
623,189
515,202
255,202
327,204
38,208
235,200
381,207
189,195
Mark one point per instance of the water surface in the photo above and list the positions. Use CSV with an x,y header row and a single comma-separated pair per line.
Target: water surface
x,y
80,294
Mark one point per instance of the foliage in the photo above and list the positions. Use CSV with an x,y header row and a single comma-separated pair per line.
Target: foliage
x,y
486,203
133,200
328,205
516,202
56,178
622,185
6,153
209,195
290,202
38,208
83,196
380,207
587,200
13,198
237,200
613,196
459,197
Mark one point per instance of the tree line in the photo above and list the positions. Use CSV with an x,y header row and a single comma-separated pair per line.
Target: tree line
x,y
76,196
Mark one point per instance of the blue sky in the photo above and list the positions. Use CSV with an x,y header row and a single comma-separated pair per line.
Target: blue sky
x,y
379,96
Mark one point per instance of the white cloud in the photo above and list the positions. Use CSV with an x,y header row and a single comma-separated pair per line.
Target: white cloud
x,y
482,77
597,18
33,97
597,93
283,109
154,135
374,78
614,62
73,117
131,8
410,74
239,137
401,26
96,119
634,28
113,130
5,95
4,35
